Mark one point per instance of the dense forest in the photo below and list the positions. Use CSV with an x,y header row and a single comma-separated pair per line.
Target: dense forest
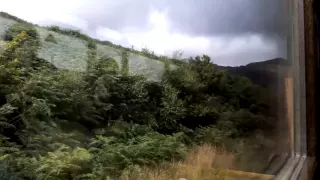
x,y
106,123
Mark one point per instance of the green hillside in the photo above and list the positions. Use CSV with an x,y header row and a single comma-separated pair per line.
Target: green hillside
x,y
70,51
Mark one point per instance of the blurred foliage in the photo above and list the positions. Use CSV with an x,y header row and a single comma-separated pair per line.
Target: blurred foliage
x,y
18,28
50,38
62,124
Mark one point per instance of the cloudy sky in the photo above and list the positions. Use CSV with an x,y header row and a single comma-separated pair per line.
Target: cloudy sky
x,y
232,32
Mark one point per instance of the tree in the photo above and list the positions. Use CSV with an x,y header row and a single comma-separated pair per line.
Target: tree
x,y
16,29
177,54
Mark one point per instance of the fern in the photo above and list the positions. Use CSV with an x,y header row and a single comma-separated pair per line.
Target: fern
x,y
63,163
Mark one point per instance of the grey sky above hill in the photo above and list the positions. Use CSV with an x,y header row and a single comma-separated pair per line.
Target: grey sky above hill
x,y
232,32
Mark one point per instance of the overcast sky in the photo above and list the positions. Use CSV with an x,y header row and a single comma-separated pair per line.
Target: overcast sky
x,y
231,32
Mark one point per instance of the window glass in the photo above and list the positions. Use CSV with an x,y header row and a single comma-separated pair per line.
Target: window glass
x,y
136,90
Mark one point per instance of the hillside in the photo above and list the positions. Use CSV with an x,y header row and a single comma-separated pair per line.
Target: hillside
x,y
264,73
70,51
272,74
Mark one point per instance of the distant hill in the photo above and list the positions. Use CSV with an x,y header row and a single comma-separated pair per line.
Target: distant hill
x,y
271,75
266,73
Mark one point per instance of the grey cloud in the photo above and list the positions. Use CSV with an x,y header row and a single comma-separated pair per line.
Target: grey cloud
x,y
198,17
117,15
240,58
205,17
231,17
208,18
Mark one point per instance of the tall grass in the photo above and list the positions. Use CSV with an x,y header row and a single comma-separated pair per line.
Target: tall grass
x,y
200,164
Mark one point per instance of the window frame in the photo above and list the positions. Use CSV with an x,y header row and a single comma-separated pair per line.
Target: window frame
x,y
301,51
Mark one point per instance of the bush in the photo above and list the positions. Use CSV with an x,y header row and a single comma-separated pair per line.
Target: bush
x,y
64,164
125,63
132,144
50,38
23,48
92,45
69,32
18,28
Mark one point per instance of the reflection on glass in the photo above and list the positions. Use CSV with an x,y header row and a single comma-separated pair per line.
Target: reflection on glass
x,y
145,90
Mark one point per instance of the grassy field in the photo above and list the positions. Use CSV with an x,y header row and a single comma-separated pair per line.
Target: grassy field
x,y
68,52
138,64
71,53
152,69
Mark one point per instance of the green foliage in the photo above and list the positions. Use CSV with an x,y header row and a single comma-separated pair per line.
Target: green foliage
x,y
69,32
171,110
92,55
24,49
64,163
16,63
167,63
50,38
62,124
92,45
18,28
148,53
177,54
124,63
128,145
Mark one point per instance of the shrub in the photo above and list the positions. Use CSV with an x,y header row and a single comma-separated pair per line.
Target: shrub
x,y
23,48
69,32
18,28
148,53
50,38
177,54
124,63
138,146
64,163
92,45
